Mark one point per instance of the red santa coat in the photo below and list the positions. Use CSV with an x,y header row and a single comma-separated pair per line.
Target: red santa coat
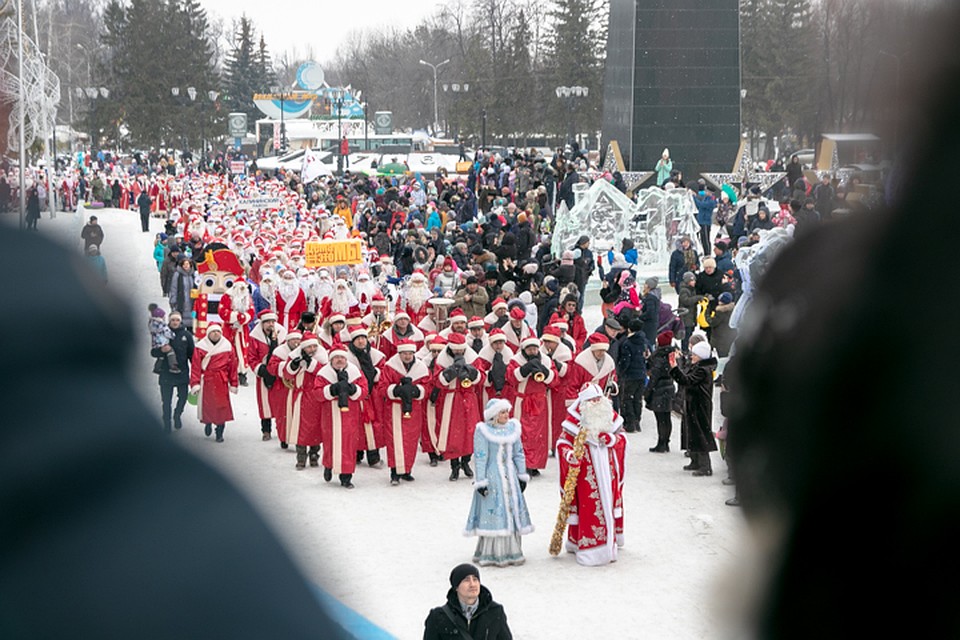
x,y
576,329
585,368
214,371
558,392
373,433
429,431
303,401
288,311
389,340
279,392
484,362
403,432
530,408
259,355
512,338
235,323
340,429
595,523
457,411
416,315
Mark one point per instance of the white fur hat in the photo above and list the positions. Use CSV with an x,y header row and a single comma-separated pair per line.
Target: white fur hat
x,y
494,407
702,350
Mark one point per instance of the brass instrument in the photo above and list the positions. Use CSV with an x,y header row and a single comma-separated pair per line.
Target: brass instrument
x,y
442,306
539,376
466,383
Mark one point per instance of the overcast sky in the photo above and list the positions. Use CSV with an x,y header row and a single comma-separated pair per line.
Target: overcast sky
x,y
321,24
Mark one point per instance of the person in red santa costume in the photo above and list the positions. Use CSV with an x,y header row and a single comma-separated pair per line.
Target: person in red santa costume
x,y
595,365
456,405
374,321
401,329
517,330
331,329
530,376
406,381
280,391
493,361
498,317
557,393
369,360
219,270
568,312
428,353
595,521
236,312
213,377
291,301
265,338
341,301
304,406
414,298
366,289
342,387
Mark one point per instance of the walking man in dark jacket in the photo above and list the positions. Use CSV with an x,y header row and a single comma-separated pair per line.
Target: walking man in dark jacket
x,y
469,612
144,203
182,346
632,373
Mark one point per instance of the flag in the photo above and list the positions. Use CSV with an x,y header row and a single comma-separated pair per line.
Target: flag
x,y
312,167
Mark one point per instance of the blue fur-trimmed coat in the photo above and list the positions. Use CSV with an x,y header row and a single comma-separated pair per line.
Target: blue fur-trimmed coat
x,y
498,455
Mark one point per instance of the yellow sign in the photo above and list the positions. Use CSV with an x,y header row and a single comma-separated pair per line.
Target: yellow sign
x,y
330,253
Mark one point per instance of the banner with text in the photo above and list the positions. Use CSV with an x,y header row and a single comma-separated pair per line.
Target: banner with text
x,y
265,202
331,253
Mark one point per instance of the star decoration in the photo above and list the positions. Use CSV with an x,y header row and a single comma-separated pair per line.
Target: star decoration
x,y
744,174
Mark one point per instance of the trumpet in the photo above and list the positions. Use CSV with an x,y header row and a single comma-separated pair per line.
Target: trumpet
x,y
466,383
539,376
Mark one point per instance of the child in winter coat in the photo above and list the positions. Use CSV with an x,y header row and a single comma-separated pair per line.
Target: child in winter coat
x,y
161,335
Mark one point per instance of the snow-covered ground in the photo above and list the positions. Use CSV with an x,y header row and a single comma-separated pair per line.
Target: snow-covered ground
x,y
387,551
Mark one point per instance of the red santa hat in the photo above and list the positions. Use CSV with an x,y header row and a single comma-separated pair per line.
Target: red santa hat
x,y
457,315
532,341
220,260
457,341
337,349
401,314
294,335
439,342
551,334
337,317
378,299
499,303
476,322
517,313
308,340
406,346
497,335
599,342
214,326
354,317
266,315
357,332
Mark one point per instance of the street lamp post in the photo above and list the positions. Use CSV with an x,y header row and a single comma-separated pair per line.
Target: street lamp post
x,y
366,130
94,94
457,88
436,110
570,95
483,130
337,95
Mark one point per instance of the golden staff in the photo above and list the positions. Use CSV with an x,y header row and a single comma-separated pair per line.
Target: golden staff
x,y
569,486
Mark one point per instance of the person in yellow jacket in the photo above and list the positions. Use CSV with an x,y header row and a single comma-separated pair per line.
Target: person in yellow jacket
x,y
343,210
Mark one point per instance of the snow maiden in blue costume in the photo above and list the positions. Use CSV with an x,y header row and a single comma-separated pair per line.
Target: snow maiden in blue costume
x,y
498,514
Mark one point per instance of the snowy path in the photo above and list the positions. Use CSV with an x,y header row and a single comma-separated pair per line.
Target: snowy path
x,y
387,551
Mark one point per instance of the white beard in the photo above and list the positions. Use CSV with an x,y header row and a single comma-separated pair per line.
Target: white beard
x,y
268,290
289,290
240,299
417,296
342,300
324,289
365,291
597,417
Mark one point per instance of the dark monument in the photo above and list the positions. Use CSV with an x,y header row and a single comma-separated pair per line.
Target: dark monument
x,y
673,80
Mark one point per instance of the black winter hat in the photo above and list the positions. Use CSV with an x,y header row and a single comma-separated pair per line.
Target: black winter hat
x,y
460,572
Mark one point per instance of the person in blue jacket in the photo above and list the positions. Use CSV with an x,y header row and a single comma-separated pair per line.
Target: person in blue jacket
x,y
706,204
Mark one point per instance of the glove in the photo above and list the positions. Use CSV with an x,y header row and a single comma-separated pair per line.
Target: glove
x,y
351,388
483,491
415,392
527,368
470,371
606,439
295,363
342,375
572,459
334,389
306,359
542,368
234,390
523,486
434,395
405,380
450,373
262,371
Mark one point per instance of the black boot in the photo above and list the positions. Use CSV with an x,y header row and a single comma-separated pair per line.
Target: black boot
x,y
373,457
284,445
301,457
454,470
534,473
434,459
705,468
242,377
327,474
394,478
359,457
265,429
314,455
345,479
407,477
220,432
207,429
465,465
177,423
694,462
662,446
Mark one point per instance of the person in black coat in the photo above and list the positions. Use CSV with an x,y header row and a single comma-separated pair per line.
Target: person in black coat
x,y
144,203
661,390
526,238
33,209
650,312
470,611
632,374
182,346
697,381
